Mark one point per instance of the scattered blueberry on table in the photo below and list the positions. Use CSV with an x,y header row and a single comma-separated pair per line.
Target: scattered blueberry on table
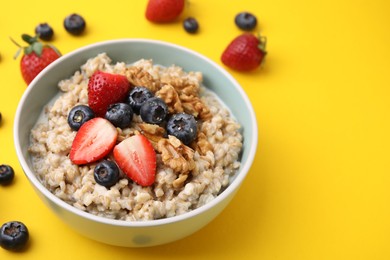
x,y
45,31
74,24
191,25
14,235
245,21
7,174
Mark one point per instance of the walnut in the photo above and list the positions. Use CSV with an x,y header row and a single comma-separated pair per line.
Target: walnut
x,y
176,155
179,181
202,145
153,132
194,105
186,83
171,98
139,77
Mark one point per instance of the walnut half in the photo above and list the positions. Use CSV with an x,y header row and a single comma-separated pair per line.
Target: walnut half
x,y
176,155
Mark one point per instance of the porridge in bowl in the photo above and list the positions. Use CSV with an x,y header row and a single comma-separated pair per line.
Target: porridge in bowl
x,y
188,171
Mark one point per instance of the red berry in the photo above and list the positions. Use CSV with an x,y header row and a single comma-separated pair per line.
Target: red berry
x,y
246,52
163,11
105,89
136,157
36,57
94,140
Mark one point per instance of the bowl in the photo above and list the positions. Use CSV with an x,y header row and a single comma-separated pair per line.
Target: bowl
x,y
135,233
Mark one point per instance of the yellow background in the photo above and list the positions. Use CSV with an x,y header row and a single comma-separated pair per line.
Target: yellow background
x,y
320,183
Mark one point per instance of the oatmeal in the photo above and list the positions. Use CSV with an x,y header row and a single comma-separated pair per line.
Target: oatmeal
x,y
187,176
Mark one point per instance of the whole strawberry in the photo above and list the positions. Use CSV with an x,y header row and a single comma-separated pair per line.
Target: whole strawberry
x,y
246,52
164,11
105,89
36,57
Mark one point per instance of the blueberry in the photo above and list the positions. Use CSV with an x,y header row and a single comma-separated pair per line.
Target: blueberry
x,y
106,173
74,24
137,96
119,114
154,111
191,25
44,31
245,21
78,115
13,235
183,126
7,174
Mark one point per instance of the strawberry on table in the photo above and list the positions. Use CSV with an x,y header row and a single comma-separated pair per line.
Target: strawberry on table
x,y
246,52
136,157
105,89
164,11
36,57
94,140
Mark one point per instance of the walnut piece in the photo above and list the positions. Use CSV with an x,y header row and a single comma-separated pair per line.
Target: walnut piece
x,y
194,105
176,155
139,77
202,145
153,132
171,98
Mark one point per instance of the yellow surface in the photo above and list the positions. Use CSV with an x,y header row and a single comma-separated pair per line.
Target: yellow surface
x,y
320,184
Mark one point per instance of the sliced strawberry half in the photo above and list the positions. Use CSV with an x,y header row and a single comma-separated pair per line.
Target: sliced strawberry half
x,y
94,140
136,157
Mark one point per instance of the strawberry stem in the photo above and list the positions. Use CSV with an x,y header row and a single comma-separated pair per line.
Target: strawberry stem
x,y
17,44
262,42
33,45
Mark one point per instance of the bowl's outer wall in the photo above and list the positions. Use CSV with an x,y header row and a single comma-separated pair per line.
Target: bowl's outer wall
x,y
135,236
44,88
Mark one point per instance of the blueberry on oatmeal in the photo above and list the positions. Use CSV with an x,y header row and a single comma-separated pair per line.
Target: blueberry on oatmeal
x,y
137,96
119,114
78,115
13,235
106,173
154,111
182,126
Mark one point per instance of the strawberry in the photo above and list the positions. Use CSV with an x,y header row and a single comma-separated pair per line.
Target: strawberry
x,y
105,89
136,157
94,140
36,57
246,52
164,11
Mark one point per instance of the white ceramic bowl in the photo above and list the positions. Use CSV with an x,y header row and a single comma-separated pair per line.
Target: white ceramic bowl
x,y
146,233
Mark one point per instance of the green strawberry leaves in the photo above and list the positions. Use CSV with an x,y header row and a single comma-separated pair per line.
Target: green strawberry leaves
x,y
34,45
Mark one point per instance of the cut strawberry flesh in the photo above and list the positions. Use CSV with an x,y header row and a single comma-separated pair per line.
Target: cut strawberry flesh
x,y
136,157
95,139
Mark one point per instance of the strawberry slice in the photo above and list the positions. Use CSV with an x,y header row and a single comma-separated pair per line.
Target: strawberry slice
x,y
136,157
105,89
94,140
